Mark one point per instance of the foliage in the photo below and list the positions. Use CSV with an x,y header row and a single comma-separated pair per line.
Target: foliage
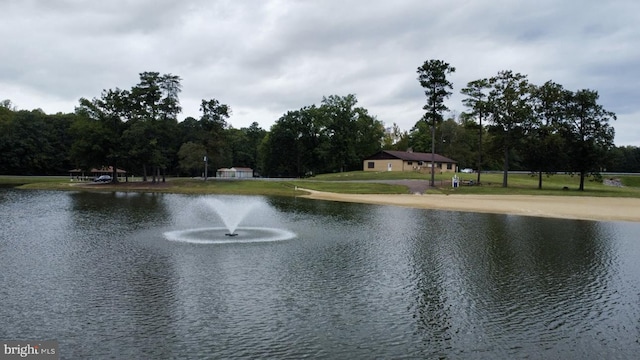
x,y
544,145
213,126
624,159
509,102
191,158
244,145
395,139
476,101
333,137
137,125
588,133
510,124
32,142
432,76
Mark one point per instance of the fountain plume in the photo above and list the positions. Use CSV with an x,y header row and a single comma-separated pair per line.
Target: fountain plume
x,y
232,213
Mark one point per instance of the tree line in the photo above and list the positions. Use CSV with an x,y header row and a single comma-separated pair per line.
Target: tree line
x,y
549,127
138,130
510,124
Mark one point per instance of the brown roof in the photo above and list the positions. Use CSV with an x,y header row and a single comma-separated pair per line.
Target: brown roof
x,y
409,156
107,170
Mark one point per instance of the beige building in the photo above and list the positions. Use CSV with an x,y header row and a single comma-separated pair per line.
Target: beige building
x,y
235,172
390,160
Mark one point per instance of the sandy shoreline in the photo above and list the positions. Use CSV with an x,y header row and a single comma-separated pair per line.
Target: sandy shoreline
x,y
563,207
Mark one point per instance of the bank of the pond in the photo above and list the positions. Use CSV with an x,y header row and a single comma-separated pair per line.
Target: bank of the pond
x,y
267,187
177,186
564,207
599,208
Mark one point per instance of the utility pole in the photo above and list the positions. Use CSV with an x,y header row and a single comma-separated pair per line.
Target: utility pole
x,y
205,167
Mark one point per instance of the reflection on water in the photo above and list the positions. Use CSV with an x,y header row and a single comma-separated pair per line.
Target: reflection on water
x,y
96,272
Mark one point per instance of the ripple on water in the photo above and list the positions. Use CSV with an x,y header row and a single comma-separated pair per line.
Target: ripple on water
x,y
217,235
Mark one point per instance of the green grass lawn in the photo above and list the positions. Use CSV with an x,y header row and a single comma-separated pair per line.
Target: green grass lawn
x,y
631,181
9,180
351,187
357,182
371,175
525,184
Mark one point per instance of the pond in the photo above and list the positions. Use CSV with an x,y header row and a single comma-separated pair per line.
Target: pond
x,y
142,275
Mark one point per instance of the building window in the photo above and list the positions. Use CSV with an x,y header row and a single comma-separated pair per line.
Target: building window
x,y
409,162
420,163
449,166
371,165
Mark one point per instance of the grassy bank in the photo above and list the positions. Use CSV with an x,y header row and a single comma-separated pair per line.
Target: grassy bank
x,y
9,180
359,182
198,186
519,183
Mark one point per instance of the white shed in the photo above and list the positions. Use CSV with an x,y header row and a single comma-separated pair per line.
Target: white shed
x,y
235,172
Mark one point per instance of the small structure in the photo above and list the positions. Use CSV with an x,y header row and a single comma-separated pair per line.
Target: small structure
x,y
391,160
108,171
235,172
81,175
77,175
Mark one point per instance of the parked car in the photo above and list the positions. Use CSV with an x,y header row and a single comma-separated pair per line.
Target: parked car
x,y
103,178
466,170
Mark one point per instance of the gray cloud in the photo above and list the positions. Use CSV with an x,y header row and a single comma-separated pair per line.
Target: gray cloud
x,y
267,57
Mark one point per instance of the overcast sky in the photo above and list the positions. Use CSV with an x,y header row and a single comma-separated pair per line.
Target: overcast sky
x,y
264,58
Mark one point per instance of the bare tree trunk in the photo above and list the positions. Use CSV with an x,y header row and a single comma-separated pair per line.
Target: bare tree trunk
x,y
540,180
114,173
